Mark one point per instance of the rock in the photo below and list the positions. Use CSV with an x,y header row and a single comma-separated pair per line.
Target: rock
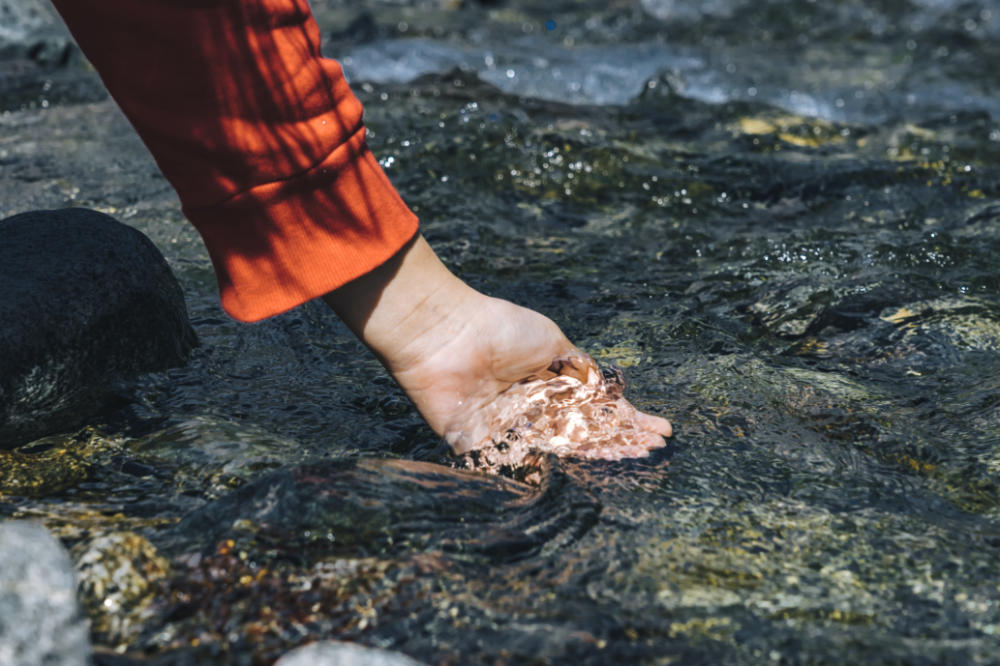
x,y
338,653
22,19
87,303
31,31
40,620
118,575
380,507
50,465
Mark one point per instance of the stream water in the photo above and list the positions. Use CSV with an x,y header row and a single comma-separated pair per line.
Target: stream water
x,y
782,220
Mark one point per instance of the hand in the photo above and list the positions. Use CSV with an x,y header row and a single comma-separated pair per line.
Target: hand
x,y
485,371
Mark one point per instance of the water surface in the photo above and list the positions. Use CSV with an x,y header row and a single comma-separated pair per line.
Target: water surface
x,y
782,222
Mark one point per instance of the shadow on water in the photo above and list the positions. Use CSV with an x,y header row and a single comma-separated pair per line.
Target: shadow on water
x,y
782,223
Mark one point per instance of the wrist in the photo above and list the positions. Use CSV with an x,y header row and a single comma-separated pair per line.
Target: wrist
x,y
393,308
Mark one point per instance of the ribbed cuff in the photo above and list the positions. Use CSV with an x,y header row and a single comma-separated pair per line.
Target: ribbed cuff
x,y
281,244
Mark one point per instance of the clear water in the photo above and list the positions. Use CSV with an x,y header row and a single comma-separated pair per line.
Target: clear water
x,y
781,220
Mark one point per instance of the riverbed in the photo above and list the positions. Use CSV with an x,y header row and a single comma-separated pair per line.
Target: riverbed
x,y
781,220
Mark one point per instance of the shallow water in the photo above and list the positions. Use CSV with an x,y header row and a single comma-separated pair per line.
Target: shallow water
x,y
783,224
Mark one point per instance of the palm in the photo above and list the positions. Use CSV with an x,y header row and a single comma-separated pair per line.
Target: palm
x,y
511,376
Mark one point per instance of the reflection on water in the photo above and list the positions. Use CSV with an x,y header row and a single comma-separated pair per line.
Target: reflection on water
x,y
781,219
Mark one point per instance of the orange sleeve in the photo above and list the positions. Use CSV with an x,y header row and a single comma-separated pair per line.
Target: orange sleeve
x,y
260,136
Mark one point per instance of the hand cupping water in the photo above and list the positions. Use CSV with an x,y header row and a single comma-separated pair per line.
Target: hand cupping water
x,y
575,410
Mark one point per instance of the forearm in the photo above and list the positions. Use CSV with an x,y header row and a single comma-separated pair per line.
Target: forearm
x,y
260,136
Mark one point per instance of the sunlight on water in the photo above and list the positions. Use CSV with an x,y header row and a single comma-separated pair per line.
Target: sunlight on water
x,y
782,218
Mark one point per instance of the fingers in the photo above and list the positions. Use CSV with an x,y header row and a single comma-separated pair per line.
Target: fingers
x,y
578,366
583,367
650,441
638,445
655,424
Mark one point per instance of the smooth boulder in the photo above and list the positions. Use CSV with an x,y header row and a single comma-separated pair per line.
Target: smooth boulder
x,y
41,623
87,303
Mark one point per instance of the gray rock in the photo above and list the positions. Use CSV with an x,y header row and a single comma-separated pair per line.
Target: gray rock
x,y
32,32
337,653
20,20
118,575
87,303
40,619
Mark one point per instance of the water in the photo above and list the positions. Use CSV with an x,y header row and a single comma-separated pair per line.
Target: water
x,y
579,417
802,278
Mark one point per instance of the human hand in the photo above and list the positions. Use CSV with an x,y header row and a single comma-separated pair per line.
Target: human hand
x,y
483,371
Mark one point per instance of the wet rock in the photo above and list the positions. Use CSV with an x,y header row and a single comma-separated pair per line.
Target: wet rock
x,y
211,457
87,303
20,20
277,607
30,31
40,620
338,653
49,465
118,573
789,310
377,507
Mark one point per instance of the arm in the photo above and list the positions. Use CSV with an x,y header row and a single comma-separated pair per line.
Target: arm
x,y
263,141
457,353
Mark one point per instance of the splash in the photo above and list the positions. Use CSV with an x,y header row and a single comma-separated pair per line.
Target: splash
x,y
581,412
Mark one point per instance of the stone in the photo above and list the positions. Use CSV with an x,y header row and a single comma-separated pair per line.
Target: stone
x,y
339,653
118,576
40,619
20,20
365,507
88,303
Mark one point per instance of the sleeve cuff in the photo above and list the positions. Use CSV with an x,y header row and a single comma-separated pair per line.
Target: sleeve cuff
x,y
280,244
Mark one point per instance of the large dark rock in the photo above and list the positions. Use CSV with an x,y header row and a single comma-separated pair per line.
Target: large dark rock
x,y
86,303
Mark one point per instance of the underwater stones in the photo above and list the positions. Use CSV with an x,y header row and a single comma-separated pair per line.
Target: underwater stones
x,y
338,653
118,575
379,507
48,466
277,605
87,303
40,620
790,310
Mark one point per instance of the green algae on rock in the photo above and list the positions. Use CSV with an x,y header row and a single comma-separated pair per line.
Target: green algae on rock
x,y
51,465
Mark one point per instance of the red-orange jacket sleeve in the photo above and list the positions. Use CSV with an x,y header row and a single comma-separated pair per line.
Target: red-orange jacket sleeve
x,y
260,136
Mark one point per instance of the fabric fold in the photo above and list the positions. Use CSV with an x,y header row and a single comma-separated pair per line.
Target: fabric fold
x,y
260,136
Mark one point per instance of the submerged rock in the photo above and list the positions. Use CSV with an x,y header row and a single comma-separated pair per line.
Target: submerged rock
x,y
381,507
40,620
87,303
118,572
26,20
50,465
